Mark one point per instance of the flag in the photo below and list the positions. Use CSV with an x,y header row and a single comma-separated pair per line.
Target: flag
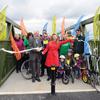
x,y
96,25
77,25
63,26
15,48
3,26
54,25
23,28
45,27
87,49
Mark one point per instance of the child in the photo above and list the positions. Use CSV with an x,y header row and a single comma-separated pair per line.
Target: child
x,y
69,62
60,69
77,65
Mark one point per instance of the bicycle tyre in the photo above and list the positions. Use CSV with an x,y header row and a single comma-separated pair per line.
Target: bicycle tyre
x,y
85,78
25,70
65,79
92,80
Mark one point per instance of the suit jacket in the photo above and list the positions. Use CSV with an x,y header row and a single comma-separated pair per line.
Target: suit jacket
x,y
33,44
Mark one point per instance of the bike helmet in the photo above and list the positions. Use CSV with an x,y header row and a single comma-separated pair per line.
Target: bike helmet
x,y
62,56
76,55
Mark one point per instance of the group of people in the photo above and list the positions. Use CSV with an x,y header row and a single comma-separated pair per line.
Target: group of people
x,y
55,51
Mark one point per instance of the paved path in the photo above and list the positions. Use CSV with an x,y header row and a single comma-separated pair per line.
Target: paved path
x,y
16,84
59,96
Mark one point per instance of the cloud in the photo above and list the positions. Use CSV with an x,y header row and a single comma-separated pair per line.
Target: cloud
x,y
37,12
72,9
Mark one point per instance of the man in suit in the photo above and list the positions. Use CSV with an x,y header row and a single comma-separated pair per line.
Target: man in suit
x,y
34,42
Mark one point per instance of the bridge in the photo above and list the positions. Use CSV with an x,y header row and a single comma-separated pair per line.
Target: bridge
x,y
13,83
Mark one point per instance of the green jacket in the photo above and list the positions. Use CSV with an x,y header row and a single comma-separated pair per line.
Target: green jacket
x,y
64,49
26,43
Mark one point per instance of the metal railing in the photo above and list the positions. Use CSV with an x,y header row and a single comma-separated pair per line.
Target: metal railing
x,y
7,61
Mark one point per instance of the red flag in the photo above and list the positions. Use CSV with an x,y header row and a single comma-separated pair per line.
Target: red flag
x,y
15,48
23,28
63,26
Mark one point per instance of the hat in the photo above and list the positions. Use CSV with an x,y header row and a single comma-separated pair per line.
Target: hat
x,y
62,56
76,55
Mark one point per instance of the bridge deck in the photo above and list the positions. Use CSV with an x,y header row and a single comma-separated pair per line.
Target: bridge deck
x,y
16,84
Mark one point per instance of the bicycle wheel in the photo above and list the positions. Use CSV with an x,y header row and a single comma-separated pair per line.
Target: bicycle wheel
x,y
65,79
99,80
85,78
25,70
93,80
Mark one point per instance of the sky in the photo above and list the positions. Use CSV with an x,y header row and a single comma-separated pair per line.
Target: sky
x,y
38,12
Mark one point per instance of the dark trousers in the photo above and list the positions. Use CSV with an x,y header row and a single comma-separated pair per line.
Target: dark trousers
x,y
19,62
43,58
77,72
35,66
18,65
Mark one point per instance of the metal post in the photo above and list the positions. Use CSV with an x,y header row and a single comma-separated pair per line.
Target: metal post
x,y
53,78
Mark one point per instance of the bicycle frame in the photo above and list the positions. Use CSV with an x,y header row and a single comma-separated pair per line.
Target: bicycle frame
x,y
97,64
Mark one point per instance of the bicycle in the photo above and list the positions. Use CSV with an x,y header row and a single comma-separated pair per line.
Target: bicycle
x,y
86,71
95,77
26,69
68,73
60,73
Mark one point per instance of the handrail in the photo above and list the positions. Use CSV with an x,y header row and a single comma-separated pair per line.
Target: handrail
x,y
8,20
83,23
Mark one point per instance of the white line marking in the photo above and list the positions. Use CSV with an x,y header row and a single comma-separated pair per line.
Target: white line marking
x,y
42,92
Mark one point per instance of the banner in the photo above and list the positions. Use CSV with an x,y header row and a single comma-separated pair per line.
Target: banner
x,y
15,48
87,49
63,26
3,26
54,25
77,25
23,28
45,28
96,25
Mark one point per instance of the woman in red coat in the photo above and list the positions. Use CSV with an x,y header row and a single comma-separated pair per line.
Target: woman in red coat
x,y
52,52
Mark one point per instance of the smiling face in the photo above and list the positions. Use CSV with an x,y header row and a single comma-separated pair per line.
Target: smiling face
x,y
62,59
78,32
17,36
54,37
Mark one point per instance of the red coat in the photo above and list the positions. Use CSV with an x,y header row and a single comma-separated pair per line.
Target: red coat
x,y
52,52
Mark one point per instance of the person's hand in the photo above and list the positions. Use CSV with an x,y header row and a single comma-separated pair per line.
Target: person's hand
x,y
26,52
75,64
38,49
42,53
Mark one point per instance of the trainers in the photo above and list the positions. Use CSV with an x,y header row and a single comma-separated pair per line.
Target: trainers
x,y
38,79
